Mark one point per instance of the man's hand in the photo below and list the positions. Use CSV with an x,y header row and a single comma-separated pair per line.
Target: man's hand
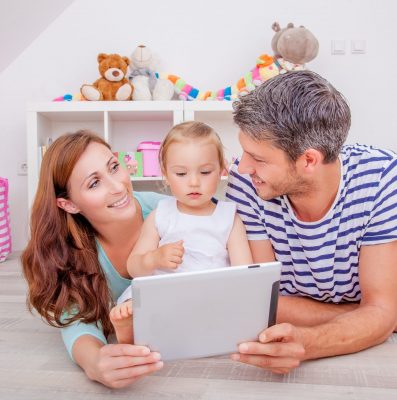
x,y
280,349
169,256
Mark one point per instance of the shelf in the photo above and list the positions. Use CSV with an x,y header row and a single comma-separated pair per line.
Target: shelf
x,y
146,178
123,124
212,106
86,106
157,178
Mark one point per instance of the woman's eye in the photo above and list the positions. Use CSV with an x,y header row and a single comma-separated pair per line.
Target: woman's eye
x,y
93,184
205,172
115,166
180,173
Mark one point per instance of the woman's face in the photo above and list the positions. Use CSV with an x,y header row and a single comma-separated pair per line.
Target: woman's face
x,y
99,188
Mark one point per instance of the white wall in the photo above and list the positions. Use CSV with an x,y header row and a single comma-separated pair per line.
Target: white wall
x,y
209,43
21,23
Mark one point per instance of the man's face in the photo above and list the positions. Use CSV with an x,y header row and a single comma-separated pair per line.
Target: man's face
x,y
272,173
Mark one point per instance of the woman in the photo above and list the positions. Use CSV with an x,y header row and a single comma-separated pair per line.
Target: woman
x,y
85,221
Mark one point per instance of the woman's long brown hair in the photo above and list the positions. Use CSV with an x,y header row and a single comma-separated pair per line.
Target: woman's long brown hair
x,y
60,262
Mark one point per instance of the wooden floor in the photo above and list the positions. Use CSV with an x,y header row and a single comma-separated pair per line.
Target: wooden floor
x,y
35,366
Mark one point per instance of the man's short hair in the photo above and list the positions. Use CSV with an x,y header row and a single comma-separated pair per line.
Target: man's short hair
x,y
296,111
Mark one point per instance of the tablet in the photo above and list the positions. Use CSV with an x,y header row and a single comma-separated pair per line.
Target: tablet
x,y
204,313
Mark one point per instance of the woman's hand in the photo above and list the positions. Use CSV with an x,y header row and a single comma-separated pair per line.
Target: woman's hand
x,y
114,365
119,365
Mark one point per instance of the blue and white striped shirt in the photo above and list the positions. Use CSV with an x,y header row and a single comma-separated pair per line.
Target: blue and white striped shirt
x,y
320,259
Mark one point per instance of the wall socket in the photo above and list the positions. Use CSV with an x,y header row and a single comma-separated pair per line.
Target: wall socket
x,y
23,168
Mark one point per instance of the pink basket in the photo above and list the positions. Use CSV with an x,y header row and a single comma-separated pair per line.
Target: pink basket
x,y
150,158
5,230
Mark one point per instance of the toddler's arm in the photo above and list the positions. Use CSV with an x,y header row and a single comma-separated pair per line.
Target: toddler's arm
x,y
147,256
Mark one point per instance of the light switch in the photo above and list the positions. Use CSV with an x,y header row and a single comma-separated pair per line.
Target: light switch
x,y
358,46
338,47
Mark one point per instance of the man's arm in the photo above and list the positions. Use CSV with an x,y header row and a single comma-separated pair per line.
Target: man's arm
x,y
295,309
282,346
374,320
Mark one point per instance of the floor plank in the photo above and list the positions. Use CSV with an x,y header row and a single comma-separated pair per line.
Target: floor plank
x,y
34,365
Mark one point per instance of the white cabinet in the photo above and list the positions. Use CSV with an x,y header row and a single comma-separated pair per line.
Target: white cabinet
x,y
123,125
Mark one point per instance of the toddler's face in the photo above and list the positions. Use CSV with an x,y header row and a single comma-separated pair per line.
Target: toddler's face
x,y
193,173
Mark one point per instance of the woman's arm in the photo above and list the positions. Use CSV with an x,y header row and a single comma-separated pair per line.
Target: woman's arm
x,y
110,364
237,245
114,365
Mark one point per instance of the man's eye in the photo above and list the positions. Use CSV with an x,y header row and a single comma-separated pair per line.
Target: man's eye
x,y
93,184
180,173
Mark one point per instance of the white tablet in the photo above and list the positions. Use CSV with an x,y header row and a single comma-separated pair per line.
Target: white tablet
x,y
205,313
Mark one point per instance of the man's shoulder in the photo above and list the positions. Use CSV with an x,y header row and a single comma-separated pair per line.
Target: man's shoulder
x,y
369,163
366,155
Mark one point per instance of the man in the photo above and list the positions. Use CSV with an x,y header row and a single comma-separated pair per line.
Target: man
x,y
326,211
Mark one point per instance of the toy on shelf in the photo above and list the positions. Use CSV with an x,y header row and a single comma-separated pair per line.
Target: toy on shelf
x,y
69,97
131,161
147,86
265,69
295,44
150,155
292,46
113,84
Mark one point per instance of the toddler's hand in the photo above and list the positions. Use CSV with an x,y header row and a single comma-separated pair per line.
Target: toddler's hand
x,y
170,255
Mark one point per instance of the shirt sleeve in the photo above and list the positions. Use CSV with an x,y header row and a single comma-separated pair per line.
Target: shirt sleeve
x,y
72,332
240,190
382,226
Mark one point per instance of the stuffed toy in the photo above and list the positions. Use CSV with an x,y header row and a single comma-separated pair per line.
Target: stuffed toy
x,y
147,85
113,84
292,48
264,69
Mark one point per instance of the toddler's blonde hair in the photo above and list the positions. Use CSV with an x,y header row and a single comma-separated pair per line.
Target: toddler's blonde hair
x,y
190,130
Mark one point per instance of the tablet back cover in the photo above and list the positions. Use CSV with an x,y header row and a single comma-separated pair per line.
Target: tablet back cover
x,y
206,313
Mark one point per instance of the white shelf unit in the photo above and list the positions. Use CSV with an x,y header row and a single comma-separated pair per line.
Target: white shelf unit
x,y
123,125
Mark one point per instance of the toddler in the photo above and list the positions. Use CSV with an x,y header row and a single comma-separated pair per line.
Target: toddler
x,y
189,231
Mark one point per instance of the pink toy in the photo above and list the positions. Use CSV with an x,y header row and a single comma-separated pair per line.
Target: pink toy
x,y
5,229
150,156
132,164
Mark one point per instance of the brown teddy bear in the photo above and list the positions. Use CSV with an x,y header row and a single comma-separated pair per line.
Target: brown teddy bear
x,y
113,84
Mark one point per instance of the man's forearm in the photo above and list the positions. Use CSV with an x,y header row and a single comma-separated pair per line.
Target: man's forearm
x,y
302,311
349,332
